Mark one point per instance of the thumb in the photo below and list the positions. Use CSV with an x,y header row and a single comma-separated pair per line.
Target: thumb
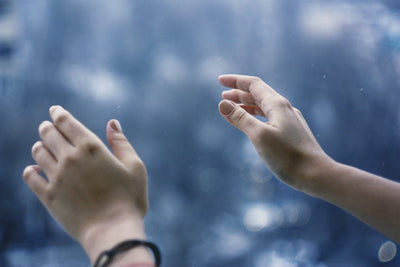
x,y
120,146
239,117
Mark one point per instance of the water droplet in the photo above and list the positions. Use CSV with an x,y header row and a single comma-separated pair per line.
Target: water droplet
x,y
361,89
324,77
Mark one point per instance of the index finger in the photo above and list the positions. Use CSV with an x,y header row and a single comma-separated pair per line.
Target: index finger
x,y
70,127
251,84
264,96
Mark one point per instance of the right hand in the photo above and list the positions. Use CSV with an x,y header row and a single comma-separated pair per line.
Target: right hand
x,y
285,143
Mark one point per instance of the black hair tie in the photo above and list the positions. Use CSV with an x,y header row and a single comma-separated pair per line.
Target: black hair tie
x,y
107,256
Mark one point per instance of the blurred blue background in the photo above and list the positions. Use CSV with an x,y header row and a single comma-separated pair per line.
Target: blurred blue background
x,y
154,66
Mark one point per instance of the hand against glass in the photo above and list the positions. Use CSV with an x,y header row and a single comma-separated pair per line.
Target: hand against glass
x,y
289,149
285,142
99,198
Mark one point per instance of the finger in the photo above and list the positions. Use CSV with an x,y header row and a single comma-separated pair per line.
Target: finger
x,y
264,96
120,145
71,128
53,139
44,158
253,110
239,96
239,118
35,181
241,82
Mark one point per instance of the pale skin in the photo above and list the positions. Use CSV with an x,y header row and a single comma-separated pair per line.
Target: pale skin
x,y
100,198
289,149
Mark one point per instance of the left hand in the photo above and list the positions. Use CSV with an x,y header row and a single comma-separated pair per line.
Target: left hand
x,y
89,190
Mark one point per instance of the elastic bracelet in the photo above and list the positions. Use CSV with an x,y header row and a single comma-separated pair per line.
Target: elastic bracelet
x,y
107,256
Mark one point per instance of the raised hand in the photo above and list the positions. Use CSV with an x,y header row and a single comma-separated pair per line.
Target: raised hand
x,y
285,142
98,197
289,149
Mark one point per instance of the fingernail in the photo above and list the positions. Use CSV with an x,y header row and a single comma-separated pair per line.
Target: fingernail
x,y
226,107
116,126
224,92
52,108
37,168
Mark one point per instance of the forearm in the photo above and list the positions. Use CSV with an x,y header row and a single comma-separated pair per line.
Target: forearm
x,y
372,199
106,235
288,147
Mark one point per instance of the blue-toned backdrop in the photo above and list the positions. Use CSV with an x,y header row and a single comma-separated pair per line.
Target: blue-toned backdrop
x,y
154,66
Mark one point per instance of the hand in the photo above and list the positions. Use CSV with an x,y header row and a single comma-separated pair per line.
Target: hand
x,y
98,197
285,143
289,149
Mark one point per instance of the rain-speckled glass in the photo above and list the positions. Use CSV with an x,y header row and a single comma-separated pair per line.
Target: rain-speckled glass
x,y
153,65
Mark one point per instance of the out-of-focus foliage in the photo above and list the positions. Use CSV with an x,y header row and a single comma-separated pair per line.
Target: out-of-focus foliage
x,y
154,66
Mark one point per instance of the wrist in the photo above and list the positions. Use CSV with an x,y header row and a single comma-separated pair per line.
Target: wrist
x,y
107,233
312,173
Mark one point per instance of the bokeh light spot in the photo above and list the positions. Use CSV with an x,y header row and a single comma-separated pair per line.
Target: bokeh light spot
x,y
259,217
387,251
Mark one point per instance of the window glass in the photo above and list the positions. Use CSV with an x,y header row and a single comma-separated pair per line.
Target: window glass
x,y
153,65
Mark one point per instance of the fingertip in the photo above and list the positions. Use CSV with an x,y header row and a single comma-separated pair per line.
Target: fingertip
x,y
36,146
35,181
226,107
222,78
54,107
115,125
29,170
44,126
26,171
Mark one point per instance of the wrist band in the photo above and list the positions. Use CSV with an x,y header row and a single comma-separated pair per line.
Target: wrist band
x,y
106,257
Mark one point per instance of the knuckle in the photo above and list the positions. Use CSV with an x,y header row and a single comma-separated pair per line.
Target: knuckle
x,y
297,111
138,167
119,138
69,160
89,147
254,80
283,102
240,117
49,197
265,107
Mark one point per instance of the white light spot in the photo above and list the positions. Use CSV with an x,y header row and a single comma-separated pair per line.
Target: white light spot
x,y
170,68
259,217
387,251
100,84
273,259
232,244
321,21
